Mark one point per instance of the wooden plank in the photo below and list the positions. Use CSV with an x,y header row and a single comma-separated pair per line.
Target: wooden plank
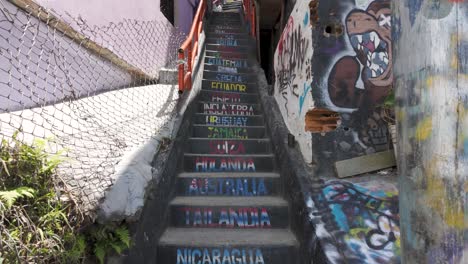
x,y
53,21
364,164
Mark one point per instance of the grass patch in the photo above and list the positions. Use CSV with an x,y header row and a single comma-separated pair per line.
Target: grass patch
x,y
39,220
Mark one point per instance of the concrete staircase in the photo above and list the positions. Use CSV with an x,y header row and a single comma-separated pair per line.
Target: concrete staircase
x,y
229,205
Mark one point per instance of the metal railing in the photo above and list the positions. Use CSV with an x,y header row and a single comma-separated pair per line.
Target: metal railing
x,y
250,15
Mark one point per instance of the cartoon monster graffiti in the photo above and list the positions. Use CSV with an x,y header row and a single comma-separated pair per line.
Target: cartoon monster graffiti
x,y
362,82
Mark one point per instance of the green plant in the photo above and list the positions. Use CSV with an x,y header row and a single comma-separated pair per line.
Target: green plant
x,y
388,108
106,239
35,224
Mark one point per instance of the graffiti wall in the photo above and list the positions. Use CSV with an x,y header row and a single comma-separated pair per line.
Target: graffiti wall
x,y
344,65
357,222
432,96
293,75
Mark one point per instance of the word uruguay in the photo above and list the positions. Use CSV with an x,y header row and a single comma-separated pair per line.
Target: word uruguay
x,y
228,63
226,121
236,87
226,98
228,109
225,164
239,217
227,187
228,78
228,132
218,256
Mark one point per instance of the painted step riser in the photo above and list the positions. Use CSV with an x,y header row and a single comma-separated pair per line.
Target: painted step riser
x,y
233,27
226,255
203,163
228,55
237,87
229,217
228,77
236,63
226,31
229,109
227,41
224,69
217,132
227,97
228,187
229,147
238,49
220,120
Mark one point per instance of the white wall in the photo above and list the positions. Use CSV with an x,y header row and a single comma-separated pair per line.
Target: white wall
x,y
293,73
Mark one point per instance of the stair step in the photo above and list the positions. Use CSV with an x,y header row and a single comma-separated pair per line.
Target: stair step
x,y
227,147
227,69
228,55
229,212
228,132
237,49
228,163
228,41
233,27
229,77
239,87
226,31
213,184
228,97
236,63
222,120
237,109
253,246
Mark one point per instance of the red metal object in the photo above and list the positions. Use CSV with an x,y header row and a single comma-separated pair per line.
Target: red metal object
x,y
190,46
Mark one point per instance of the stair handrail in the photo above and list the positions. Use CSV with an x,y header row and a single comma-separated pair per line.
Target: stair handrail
x,y
190,46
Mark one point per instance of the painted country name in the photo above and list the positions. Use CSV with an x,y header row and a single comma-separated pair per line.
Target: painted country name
x,y
228,132
225,98
227,187
235,87
227,69
227,42
229,78
226,120
219,256
227,217
228,63
228,109
226,147
229,55
205,164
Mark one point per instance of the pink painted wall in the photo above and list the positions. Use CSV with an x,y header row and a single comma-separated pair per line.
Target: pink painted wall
x,y
102,12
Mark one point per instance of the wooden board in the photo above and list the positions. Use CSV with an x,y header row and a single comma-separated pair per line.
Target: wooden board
x,y
364,164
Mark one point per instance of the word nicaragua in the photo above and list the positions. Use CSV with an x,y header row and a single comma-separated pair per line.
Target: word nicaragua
x,y
227,109
236,87
228,132
227,187
226,120
218,256
224,164
239,217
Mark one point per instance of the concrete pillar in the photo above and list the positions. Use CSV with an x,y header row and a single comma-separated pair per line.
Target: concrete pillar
x,y
431,81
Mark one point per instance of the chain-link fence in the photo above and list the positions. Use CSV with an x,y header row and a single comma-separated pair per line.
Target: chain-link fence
x,y
89,90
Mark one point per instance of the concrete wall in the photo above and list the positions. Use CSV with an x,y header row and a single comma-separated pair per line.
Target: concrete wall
x,y
292,63
431,80
335,67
